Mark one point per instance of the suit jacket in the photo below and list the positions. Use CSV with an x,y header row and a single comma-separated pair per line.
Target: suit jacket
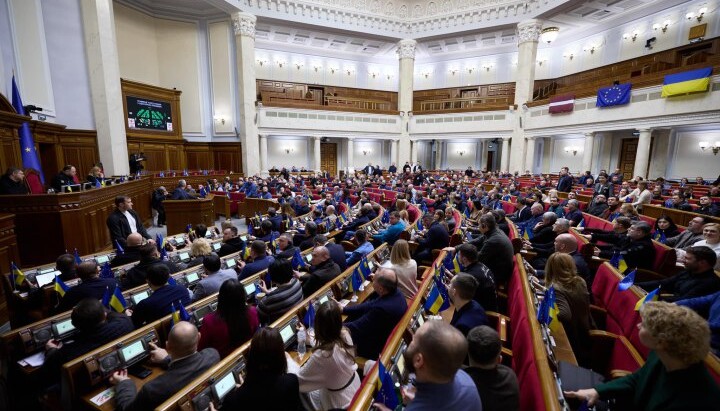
x,y
543,235
159,304
137,275
155,392
522,215
685,285
255,267
131,255
276,221
565,183
485,294
392,169
437,237
337,254
496,252
90,288
639,254
233,245
60,180
468,317
211,284
319,276
371,322
180,194
356,223
120,228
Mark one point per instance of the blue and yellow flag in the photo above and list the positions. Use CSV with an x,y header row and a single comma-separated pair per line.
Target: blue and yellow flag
x,y
120,250
60,286
364,268
386,393
298,261
18,276
628,281
175,316
692,81
78,260
273,240
309,318
356,280
438,299
159,242
547,311
117,301
618,262
659,236
651,296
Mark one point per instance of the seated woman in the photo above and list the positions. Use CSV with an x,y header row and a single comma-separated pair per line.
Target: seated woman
x,y
198,250
329,376
405,268
664,229
95,176
674,376
573,303
233,323
268,385
627,210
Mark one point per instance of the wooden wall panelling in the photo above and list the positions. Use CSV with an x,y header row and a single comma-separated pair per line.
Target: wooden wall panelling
x,y
227,156
198,156
8,253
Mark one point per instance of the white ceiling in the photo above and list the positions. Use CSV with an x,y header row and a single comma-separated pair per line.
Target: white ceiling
x,y
575,18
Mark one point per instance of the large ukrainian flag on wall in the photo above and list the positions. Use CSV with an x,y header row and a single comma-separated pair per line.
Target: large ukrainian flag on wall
x,y
686,82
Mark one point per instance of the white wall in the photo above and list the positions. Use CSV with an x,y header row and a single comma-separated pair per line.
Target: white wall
x,y
222,63
377,153
299,155
688,160
454,160
137,45
562,159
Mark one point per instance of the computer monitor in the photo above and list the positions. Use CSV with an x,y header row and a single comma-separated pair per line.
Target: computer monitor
x,y
208,233
180,240
46,278
87,186
287,333
200,313
216,246
46,270
250,289
132,352
136,298
323,299
223,386
102,259
73,188
192,277
308,257
230,262
371,265
184,256
63,328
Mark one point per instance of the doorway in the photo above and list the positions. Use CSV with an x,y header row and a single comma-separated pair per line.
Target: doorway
x,y
328,157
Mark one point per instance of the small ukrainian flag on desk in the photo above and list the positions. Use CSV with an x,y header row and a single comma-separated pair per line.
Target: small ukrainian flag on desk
x,y
692,81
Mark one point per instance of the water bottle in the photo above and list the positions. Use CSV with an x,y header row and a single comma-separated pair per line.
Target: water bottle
x,y
301,337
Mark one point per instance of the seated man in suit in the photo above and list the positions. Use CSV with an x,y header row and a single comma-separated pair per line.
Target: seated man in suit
x,y
163,298
213,277
497,384
231,242
494,249
485,292
131,253
305,241
337,252
13,182
260,260
124,221
67,266
184,363
363,218
697,280
275,219
392,232
468,312
96,327
574,215
91,286
371,322
285,248
364,247
568,244
322,271
66,177
149,257
436,237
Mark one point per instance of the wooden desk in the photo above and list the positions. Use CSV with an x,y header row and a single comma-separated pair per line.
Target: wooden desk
x,y
678,216
111,404
563,351
180,213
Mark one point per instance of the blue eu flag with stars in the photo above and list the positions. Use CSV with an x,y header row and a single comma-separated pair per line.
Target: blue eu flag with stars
x,y
29,153
616,95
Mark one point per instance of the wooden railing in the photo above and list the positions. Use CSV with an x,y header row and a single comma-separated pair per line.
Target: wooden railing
x,y
464,104
358,103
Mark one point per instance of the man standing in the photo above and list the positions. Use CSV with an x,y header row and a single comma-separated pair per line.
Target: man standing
x,y
371,322
13,182
184,363
392,169
435,355
180,192
124,221
566,181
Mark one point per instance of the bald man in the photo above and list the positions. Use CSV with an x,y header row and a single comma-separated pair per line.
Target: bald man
x,y
435,355
566,244
322,271
132,251
184,363
371,322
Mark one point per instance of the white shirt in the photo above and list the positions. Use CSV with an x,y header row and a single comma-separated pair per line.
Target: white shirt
x,y
131,221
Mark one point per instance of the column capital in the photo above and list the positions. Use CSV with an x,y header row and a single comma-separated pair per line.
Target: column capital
x,y
645,130
589,134
406,48
263,135
350,138
244,24
529,31
506,138
531,138
317,138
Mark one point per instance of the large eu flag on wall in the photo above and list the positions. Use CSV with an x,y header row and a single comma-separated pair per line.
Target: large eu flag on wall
x,y
616,95
28,151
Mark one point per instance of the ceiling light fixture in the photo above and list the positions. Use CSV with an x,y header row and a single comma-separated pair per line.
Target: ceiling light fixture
x,y
549,34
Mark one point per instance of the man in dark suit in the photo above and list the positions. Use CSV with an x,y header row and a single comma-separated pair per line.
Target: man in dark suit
x,y
369,169
566,181
184,363
468,312
64,178
698,279
407,167
371,322
495,249
416,168
350,228
337,252
149,257
437,237
124,221
392,168
523,213
95,327
231,242
485,293
323,270
285,248
91,286
261,261
378,171
164,296
131,252
13,182
305,241
275,219
180,192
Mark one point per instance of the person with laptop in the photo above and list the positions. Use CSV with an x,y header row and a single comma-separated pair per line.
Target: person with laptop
x,y
214,277
95,327
183,361
163,298
91,286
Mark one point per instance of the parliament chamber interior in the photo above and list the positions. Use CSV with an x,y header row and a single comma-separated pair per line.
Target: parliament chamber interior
x,y
311,205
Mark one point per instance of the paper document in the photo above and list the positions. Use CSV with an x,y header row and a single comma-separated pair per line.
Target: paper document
x,y
34,360
103,397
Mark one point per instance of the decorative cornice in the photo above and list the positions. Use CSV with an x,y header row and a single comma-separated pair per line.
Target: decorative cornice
x,y
529,30
244,24
406,49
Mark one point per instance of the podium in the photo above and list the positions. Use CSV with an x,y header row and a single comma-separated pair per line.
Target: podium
x,y
180,213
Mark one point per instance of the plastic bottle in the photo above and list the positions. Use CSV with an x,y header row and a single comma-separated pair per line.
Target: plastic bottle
x,y
301,338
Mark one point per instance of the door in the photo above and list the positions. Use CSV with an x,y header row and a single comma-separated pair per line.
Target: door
x,y
491,161
328,157
627,157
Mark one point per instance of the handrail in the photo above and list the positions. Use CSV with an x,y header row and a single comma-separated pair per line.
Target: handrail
x,y
461,103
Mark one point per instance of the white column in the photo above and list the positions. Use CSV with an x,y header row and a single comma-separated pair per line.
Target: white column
x,y
413,151
505,160
438,154
660,155
263,155
642,155
483,155
316,141
394,154
350,155
588,151
530,156
406,55
244,28
104,71
528,35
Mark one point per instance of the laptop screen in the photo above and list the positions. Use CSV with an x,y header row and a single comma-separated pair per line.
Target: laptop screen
x,y
250,289
230,262
63,327
224,386
184,256
136,298
192,277
102,259
287,333
45,279
216,246
132,351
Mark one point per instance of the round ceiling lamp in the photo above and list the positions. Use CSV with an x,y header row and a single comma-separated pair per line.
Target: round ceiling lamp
x,y
549,34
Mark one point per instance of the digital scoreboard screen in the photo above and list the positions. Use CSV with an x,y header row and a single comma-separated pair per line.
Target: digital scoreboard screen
x,y
148,114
